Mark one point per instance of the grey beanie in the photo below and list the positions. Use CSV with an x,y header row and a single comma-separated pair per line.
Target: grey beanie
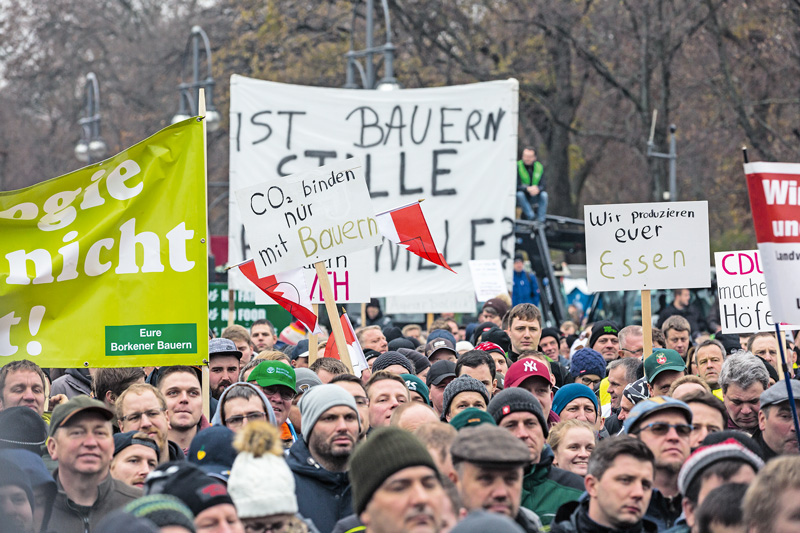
x,y
515,400
319,399
462,384
387,359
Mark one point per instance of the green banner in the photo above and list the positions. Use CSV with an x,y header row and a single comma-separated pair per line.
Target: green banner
x,y
107,266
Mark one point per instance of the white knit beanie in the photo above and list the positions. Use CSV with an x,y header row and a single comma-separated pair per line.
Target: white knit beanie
x,y
261,485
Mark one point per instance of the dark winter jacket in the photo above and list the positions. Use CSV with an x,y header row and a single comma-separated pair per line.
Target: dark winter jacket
x,y
545,487
68,517
324,497
767,453
573,517
664,511
75,382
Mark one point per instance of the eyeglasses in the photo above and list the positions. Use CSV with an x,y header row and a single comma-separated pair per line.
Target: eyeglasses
x,y
590,382
238,420
660,429
361,400
259,527
135,417
285,393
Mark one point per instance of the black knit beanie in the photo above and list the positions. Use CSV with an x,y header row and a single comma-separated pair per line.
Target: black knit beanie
x,y
387,451
387,359
515,400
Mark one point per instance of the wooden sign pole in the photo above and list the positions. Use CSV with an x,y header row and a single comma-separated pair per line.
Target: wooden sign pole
x,y
333,314
647,325
313,341
363,314
428,322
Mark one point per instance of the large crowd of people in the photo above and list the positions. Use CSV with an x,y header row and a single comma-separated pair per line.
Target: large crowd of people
x,y
497,425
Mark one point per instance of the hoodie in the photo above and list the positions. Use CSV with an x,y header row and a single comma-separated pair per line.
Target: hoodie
x,y
37,475
75,382
322,496
216,420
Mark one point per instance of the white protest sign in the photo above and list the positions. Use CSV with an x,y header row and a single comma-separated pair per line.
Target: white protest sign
x,y
454,147
647,246
487,279
308,217
349,277
742,292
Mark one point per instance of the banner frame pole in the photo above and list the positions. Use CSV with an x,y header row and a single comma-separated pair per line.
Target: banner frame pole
x,y
333,314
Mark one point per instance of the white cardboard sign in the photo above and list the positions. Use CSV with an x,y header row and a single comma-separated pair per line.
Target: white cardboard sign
x,y
487,278
647,246
308,217
455,147
742,291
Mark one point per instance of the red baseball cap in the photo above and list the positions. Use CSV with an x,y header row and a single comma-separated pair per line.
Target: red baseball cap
x,y
524,369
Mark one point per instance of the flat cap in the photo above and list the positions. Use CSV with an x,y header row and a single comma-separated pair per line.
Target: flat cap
x,y
778,393
489,445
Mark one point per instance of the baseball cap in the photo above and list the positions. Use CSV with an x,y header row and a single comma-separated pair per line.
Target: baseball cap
x,y
524,369
269,373
439,344
439,371
300,350
123,440
651,406
415,384
471,416
64,412
212,451
220,346
778,393
662,359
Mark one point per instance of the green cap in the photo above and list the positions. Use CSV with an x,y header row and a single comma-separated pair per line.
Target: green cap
x,y
471,416
661,360
415,384
64,412
271,373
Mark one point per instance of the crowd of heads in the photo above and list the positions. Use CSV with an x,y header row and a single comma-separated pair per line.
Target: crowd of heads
x,y
497,424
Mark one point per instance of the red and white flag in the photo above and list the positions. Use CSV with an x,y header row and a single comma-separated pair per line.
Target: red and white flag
x,y
406,227
775,203
287,289
357,357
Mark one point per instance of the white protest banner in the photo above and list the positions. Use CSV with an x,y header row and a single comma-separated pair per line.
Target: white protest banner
x,y
455,147
742,293
455,302
647,246
308,217
776,215
487,278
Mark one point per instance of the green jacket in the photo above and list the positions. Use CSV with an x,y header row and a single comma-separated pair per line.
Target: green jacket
x,y
546,488
525,178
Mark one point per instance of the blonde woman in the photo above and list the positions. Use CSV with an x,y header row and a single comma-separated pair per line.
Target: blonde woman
x,y
572,442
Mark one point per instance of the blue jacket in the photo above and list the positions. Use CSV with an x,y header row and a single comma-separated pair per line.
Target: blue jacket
x,y
525,290
324,497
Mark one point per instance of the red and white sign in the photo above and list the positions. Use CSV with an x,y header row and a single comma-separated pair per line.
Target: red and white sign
x,y
287,289
775,203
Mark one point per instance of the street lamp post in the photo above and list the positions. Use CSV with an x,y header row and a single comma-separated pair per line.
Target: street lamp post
x,y
188,91
367,74
672,156
91,146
